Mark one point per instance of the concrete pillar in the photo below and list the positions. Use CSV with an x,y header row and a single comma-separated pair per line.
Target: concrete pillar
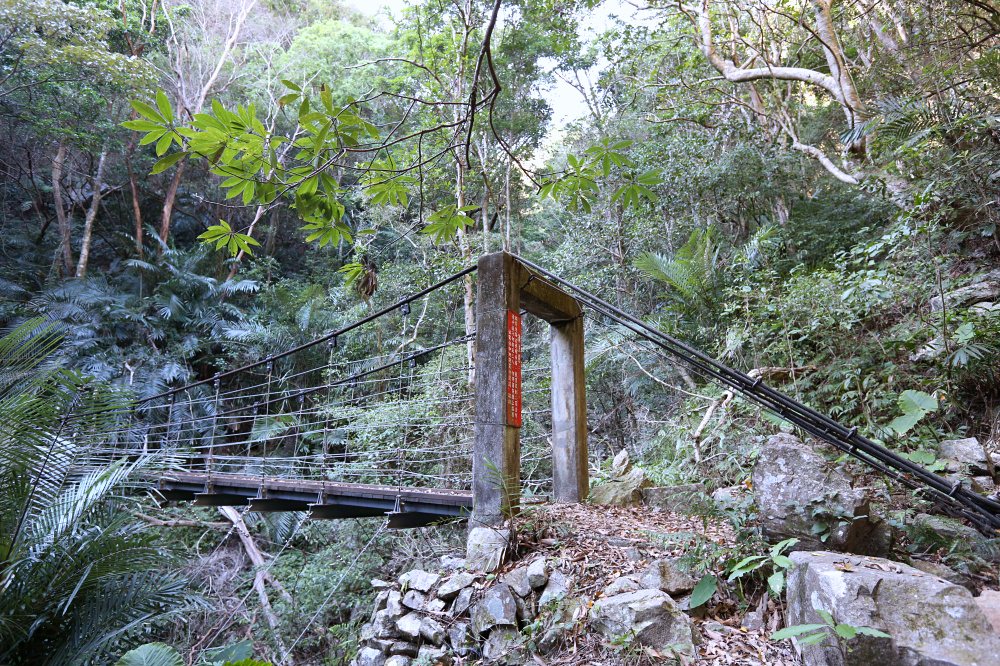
x,y
496,451
570,474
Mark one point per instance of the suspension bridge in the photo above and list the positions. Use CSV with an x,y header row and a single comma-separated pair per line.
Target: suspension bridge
x,y
410,414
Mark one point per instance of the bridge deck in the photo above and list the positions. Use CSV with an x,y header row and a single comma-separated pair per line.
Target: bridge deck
x,y
405,507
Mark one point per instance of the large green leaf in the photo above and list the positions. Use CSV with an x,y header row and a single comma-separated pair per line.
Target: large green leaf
x,y
703,591
915,405
152,654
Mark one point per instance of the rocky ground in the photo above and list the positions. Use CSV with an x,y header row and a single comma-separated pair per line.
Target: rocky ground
x,y
551,606
614,581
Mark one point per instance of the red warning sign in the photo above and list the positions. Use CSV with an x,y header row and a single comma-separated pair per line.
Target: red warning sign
x,y
513,369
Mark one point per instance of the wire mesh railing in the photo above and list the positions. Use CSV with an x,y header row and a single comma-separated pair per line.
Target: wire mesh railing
x,y
385,400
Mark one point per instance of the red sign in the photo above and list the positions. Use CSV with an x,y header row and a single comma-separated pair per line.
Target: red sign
x,y
513,369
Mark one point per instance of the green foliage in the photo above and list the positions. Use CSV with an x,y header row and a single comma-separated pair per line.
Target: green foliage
x,y
160,654
78,573
223,236
915,405
445,224
151,654
775,561
703,590
812,634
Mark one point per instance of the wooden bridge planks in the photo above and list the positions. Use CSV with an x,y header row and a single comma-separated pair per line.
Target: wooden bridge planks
x,y
406,507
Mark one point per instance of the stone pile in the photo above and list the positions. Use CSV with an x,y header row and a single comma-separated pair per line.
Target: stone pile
x,y
429,618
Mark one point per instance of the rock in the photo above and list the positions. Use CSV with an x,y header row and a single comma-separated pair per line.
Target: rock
x,y
650,616
432,631
370,657
929,351
931,621
383,646
686,499
986,288
380,601
409,626
461,639
633,554
717,627
384,624
527,608
561,621
496,608
452,563
414,600
462,602
398,660
684,603
537,575
403,648
434,606
393,604
620,464
730,497
517,579
929,531
968,456
455,584
795,489
944,572
984,484
433,655
622,585
380,584
486,548
989,603
503,647
666,575
754,620
620,491
419,580
555,589
984,308
948,529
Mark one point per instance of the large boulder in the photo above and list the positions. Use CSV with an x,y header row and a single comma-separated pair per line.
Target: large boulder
x,y
966,457
934,532
625,486
985,288
647,616
989,603
799,494
931,622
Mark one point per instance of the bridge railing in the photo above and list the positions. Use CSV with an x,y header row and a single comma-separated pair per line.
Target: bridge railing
x,y
385,401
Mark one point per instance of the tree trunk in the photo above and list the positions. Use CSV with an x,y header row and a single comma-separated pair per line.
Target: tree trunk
x,y
88,224
168,204
65,233
849,98
136,209
469,298
260,577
